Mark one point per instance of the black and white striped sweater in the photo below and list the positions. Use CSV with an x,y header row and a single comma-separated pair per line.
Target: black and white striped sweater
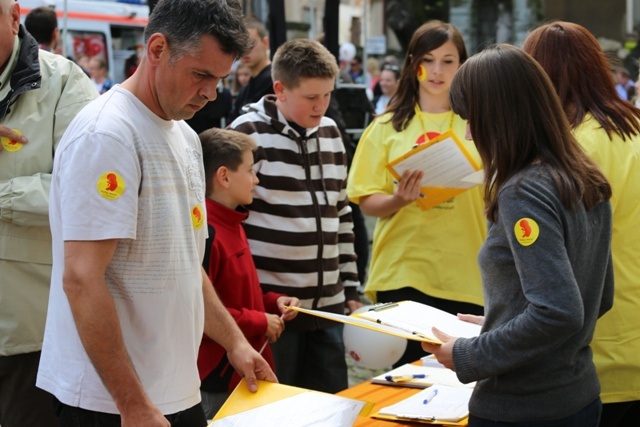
x,y
300,228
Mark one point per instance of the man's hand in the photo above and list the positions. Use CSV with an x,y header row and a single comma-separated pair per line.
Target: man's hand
x,y
5,132
275,326
284,302
250,365
443,352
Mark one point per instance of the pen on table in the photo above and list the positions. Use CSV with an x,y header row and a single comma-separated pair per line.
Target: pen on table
x,y
403,378
396,183
266,341
430,396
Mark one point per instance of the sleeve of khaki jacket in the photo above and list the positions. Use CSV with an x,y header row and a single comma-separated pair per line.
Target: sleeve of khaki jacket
x,y
24,200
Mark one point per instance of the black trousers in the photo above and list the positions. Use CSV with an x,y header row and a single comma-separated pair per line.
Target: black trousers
x,y
70,416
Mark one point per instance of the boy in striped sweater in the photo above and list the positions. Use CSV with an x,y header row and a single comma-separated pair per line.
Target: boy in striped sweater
x,y
300,229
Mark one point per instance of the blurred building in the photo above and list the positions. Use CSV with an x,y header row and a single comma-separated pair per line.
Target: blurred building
x,y
388,24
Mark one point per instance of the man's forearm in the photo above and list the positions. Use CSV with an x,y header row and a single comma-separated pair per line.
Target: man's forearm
x,y
97,321
218,323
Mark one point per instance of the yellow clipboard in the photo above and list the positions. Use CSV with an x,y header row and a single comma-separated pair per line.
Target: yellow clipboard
x,y
462,422
449,169
405,319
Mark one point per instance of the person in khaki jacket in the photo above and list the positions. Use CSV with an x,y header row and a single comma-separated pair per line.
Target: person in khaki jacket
x,y
39,95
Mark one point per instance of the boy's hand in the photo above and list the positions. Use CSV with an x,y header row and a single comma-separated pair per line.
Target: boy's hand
x,y
275,326
286,301
353,305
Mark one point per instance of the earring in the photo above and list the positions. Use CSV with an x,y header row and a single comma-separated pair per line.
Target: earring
x,y
422,73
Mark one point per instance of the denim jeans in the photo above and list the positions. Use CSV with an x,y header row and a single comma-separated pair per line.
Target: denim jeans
x,y
589,416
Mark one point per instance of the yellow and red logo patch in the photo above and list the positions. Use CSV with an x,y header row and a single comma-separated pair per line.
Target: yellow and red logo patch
x,y
110,185
526,231
197,217
11,145
422,73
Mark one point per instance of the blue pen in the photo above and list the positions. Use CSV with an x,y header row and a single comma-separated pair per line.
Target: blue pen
x,y
403,378
430,396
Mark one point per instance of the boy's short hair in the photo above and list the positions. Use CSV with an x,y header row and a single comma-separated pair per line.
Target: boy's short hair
x,y
302,59
223,147
253,24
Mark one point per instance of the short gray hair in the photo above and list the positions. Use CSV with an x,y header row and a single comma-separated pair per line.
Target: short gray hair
x,y
184,22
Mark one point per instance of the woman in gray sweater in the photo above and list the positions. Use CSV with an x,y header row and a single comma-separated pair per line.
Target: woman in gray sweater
x,y
546,264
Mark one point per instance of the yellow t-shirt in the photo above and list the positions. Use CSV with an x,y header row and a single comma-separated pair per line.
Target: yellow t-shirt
x,y
616,343
433,251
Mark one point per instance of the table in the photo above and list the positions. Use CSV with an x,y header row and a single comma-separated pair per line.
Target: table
x,y
381,396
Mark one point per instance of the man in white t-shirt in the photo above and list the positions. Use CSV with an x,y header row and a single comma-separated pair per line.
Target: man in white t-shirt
x,y
129,300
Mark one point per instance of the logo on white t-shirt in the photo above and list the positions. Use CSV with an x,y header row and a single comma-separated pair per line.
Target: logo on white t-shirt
x,y
197,217
110,185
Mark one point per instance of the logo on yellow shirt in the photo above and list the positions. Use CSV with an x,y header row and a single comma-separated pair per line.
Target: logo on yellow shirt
x,y
11,145
526,231
197,218
110,185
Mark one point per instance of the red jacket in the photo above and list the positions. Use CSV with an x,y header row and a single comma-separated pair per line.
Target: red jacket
x,y
233,274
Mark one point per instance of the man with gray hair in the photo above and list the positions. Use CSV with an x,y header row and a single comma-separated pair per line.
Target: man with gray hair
x,y
129,299
40,93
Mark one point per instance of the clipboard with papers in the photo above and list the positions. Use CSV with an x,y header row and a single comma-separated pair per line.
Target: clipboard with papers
x,y
275,405
406,319
439,404
449,169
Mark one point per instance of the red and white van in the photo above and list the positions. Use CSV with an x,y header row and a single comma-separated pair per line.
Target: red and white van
x,y
109,29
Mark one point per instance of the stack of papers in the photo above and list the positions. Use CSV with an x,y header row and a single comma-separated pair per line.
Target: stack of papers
x,y
437,404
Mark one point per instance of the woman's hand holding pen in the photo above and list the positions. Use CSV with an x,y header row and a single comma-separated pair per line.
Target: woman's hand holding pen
x,y
408,189
443,352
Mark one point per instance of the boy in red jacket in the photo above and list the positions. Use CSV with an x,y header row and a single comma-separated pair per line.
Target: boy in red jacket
x,y
230,180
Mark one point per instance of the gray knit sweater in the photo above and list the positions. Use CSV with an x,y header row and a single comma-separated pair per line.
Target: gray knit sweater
x,y
543,293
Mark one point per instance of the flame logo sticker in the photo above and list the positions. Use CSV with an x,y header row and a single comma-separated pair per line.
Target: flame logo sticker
x,y
526,231
110,185
422,73
11,145
197,218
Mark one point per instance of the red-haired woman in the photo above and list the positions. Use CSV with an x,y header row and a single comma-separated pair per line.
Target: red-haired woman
x,y
608,129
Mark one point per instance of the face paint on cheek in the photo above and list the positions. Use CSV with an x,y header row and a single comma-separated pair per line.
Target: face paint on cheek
x,y
422,73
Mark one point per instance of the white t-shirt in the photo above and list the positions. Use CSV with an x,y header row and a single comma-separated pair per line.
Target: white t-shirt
x,y
121,172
